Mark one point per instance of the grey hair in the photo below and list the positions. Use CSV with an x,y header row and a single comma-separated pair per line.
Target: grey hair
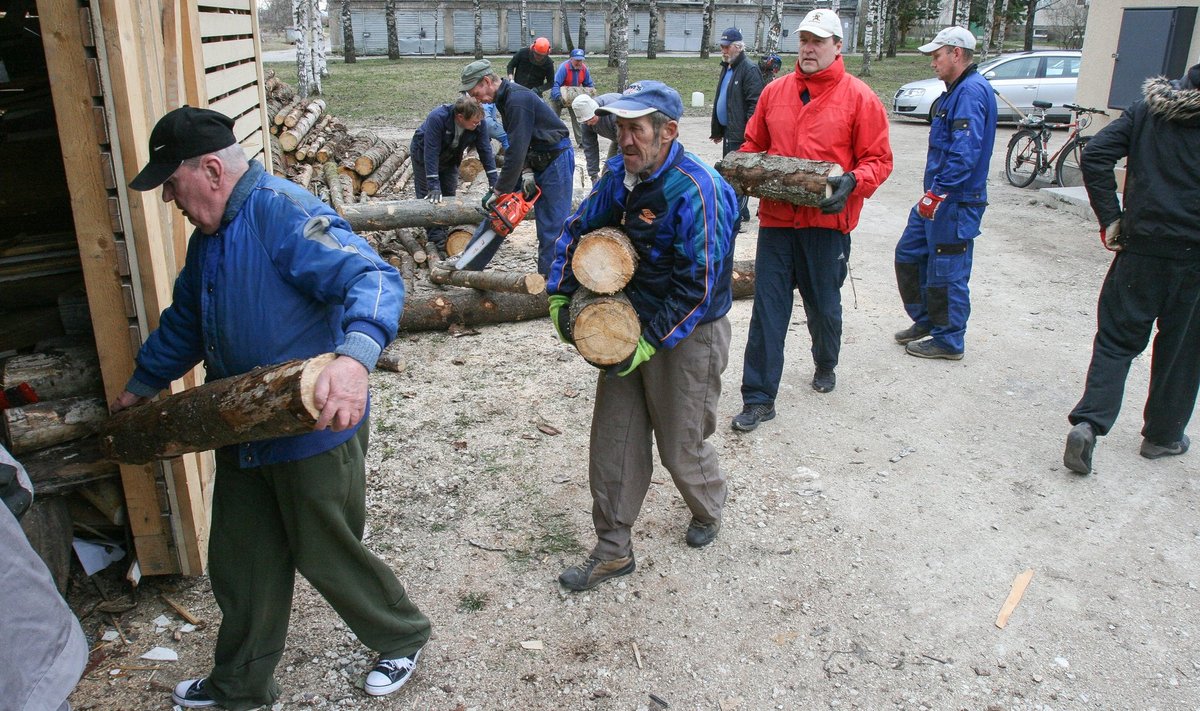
x,y
232,156
739,45
657,120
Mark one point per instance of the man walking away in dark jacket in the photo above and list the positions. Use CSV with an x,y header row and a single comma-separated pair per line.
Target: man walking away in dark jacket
x,y
437,150
1155,274
532,68
738,88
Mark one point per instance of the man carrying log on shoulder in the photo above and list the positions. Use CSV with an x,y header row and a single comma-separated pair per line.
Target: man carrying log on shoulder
x,y
819,112
679,215
437,150
537,140
273,274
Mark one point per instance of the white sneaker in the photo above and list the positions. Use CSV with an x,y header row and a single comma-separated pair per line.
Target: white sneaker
x,y
191,694
391,674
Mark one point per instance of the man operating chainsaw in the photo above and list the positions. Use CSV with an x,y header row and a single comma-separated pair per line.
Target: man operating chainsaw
x,y
537,141
679,215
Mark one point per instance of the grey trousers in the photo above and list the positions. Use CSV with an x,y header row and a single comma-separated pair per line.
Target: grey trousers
x,y
672,399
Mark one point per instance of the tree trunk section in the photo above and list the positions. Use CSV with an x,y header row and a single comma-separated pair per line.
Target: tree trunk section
x,y
620,48
507,282
604,260
408,239
67,466
652,32
333,180
471,166
798,181
283,113
469,307
374,157
45,424
55,373
457,238
478,12
291,138
605,327
376,180
347,34
393,38
272,401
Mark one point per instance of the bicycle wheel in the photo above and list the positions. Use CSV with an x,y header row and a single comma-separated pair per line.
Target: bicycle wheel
x,y
1067,170
1024,156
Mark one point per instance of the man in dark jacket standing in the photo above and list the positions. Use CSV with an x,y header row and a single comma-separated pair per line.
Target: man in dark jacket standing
x,y
738,88
1155,275
531,66
437,150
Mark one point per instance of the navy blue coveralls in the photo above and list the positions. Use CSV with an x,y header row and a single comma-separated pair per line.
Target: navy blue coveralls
x,y
437,154
933,257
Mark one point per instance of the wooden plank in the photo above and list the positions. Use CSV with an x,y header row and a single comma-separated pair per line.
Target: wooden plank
x,y
224,24
218,54
253,145
223,81
192,55
1014,597
245,127
264,119
226,4
238,103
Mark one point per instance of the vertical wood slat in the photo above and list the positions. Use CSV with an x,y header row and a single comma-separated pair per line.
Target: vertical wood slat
x,y
264,154
64,41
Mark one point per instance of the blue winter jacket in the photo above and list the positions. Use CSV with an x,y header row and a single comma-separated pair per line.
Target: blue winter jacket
x,y
961,139
532,127
284,277
681,222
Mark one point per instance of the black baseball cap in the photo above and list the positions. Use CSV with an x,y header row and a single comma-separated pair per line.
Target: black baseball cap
x,y
184,133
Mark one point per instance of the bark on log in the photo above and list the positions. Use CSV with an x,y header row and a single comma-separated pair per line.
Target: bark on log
x,y
376,180
393,214
291,138
798,181
471,308
363,140
56,373
408,238
279,161
334,147
604,260
315,138
272,401
47,525
333,180
508,282
64,467
45,424
304,175
433,255
287,109
605,327
347,185
293,116
458,237
743,279
374,157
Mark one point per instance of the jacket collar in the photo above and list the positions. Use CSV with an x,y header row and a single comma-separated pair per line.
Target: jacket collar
x,y
966,72
1171,101
241,191
741,57
821,81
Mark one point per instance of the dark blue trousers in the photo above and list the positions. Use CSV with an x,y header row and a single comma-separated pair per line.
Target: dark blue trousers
x,y
813,261
554,206
447,178
1137,292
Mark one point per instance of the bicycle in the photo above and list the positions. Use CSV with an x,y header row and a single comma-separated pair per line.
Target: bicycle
x,y
1028,155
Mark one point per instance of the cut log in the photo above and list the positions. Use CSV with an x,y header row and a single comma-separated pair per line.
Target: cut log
x,y
291,138
793,180
66,466
433,254
107,498
604,260
508,282
293,117
279,161
333,180
468,307
45,424
743,279
469,168
334,147
347,184
56,373
570,93
272,401
363,140
457,238
376,180
47,525
392,214
304,175
408,238
605,327
408,271
282,114
374,157
315,138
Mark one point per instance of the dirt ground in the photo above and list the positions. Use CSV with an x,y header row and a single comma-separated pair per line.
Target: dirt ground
x,y
870,539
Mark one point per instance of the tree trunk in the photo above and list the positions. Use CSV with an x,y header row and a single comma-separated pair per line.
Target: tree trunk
x,y
582,43
64,467
300,19
393,214
893,27
347,35
1003,29
373,157
620,51
1030,19
566,25
333,179
45,424
989,25
320,43
525,31
55,373
604,260
775,28
760,23
962,13
798,181
271,401
373,182
710,11
507,282
389,11
605,327
469,307
291,138
869,31
477,10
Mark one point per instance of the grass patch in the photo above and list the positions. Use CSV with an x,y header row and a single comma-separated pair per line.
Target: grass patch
x,y
472,601
402,92
552,534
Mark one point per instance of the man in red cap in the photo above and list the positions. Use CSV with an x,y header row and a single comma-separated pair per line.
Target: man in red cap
x,y
531,66
273,274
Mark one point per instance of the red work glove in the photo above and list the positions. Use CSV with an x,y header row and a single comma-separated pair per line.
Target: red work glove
x,y
928,205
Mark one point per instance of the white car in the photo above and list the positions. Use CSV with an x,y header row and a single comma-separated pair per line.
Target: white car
x,y
1021,78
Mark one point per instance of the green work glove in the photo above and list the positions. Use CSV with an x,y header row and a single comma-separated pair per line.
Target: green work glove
x,y
640,355
488,200
560,316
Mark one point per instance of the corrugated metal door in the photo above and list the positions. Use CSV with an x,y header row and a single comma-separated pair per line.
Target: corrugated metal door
x,y
420,32
788,41
742,20
681,30
541,24
464,31
370,32
597,35
639,31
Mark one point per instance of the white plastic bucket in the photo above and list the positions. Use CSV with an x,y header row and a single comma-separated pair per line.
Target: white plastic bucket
x,y
697,98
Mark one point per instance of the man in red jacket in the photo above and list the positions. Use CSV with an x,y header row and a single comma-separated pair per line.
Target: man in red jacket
x,y
819,112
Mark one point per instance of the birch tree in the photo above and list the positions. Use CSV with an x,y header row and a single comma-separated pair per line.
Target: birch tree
x,y
652,32
348,55
962,13
566,25
582,41
389,11
775,27
620,48
320,44
477,8
893,27
308,78
710,12
525,34
870,29
760,20
989,21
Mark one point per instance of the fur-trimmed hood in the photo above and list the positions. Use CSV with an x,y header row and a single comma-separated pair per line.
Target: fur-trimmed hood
x,y
1172,100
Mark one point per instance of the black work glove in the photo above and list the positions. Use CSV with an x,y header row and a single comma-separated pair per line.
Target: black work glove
x,y
434,196
842,186
15,497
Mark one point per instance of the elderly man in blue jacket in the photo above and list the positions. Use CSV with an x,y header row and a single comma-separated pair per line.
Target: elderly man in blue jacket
x,y
273,274
680,216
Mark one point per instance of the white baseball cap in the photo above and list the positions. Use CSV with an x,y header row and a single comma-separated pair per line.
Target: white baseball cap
x,y
822,23
950,37
584,107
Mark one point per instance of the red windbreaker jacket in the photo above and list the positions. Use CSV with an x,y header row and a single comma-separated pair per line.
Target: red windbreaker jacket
x,y
843,122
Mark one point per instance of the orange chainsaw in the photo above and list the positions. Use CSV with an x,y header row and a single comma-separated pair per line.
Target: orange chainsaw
x,y
502,217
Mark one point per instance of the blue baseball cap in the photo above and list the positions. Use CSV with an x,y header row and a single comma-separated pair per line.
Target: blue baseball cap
x,y
577,54
730,36
651,96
